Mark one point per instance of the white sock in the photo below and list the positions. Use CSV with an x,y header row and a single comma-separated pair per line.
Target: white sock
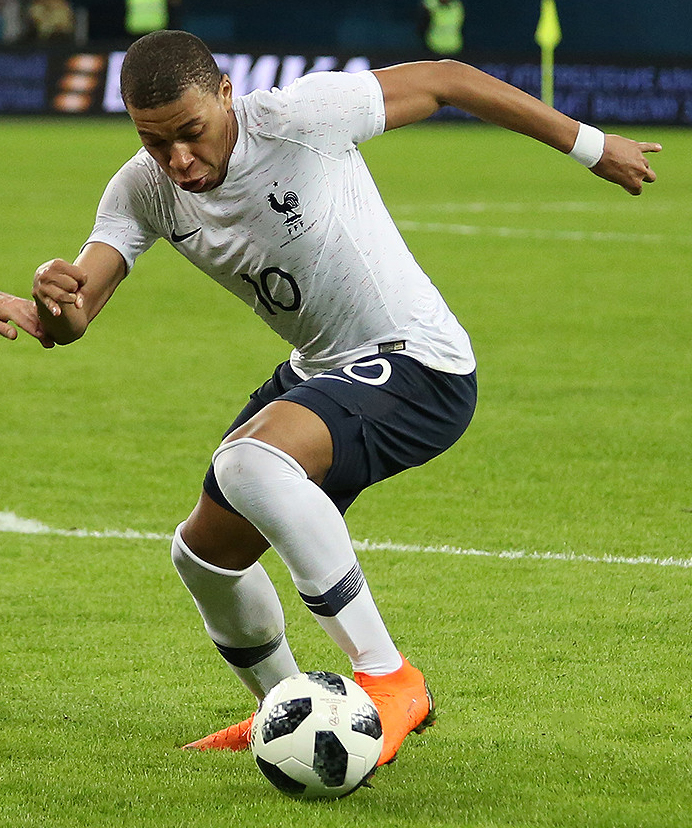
x,y
243,616
271,490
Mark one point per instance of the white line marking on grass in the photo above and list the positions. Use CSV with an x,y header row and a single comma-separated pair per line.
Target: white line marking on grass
x,y
10,522
537,233
366,545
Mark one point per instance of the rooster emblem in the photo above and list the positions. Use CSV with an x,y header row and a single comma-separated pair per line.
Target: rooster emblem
x,y
288,207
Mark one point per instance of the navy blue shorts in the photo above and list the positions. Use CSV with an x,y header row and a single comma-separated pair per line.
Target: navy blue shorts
x,y
385,414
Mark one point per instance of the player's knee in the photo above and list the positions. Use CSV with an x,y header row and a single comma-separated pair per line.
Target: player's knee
x,y
249,471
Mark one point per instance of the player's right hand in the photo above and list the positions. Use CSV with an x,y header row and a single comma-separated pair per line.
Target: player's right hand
x,y
58,283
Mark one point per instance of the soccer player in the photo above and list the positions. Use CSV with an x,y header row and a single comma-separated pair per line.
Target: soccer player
x,y
268,195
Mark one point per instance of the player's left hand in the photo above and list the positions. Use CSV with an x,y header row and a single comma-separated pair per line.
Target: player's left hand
x,y
624,163
23,314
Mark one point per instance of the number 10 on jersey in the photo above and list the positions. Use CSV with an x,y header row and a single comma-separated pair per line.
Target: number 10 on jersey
x,y
275,288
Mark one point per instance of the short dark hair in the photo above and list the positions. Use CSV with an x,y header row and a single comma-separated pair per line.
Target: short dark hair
x,y
159,67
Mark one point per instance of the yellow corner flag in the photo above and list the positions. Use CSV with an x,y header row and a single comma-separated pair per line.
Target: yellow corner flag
x,y
548,35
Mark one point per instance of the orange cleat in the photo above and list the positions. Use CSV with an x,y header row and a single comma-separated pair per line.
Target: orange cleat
x,y
234,737
404,703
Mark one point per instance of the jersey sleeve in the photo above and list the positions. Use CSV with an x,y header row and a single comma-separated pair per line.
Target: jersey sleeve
x,y
121,218
331,111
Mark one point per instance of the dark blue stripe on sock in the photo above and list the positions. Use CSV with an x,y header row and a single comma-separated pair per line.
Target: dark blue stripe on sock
x,y
336,598
249,656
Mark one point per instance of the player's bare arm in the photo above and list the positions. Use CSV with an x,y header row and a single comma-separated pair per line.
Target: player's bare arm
x,y
69,296
414,91
23,314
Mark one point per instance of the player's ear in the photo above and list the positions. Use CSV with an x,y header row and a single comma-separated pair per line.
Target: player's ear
x,y
226,92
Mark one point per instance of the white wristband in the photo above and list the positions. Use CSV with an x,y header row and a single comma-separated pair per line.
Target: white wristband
x,y
589,146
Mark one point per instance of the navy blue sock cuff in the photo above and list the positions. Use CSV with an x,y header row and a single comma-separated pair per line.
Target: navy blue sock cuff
x,y
335,599
249,656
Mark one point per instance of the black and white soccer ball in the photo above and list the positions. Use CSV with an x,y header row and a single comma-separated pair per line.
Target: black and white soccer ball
x,y
317,735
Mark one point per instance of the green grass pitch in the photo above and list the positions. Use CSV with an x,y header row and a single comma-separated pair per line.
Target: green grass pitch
x,y
562,680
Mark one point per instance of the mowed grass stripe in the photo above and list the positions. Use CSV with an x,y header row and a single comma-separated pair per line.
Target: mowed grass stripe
x,y
523,207
538,233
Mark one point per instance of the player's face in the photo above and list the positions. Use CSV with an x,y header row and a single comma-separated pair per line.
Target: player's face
x,y
191,138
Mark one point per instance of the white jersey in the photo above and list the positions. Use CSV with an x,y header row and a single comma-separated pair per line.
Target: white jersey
x,y
297,229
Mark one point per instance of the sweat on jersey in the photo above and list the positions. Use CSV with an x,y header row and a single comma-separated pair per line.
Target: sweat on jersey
x,y
297,229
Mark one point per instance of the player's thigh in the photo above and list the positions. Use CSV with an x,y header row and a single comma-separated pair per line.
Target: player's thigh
x,y
294,429
221,537
303,437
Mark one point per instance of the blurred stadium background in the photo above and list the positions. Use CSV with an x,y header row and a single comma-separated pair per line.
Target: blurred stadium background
x,y
619,61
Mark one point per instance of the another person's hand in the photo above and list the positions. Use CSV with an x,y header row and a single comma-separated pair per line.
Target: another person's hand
x,y
23,314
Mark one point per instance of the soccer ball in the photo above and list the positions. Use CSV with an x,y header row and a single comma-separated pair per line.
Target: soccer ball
x,y
317,735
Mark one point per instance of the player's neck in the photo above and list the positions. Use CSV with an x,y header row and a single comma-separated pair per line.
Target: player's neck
x,y
232,140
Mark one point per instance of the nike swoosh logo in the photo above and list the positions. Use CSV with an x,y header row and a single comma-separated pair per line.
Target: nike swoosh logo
x,y
176,238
